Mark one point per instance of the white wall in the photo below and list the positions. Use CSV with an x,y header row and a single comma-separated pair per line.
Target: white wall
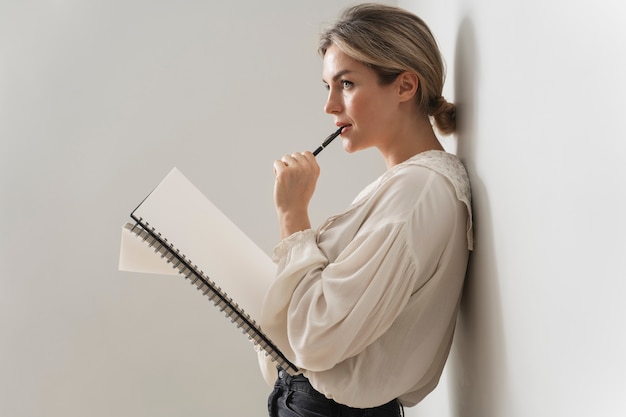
x,y
541,92
98,101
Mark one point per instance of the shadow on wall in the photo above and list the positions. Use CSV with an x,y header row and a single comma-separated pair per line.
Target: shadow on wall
x,y
478,370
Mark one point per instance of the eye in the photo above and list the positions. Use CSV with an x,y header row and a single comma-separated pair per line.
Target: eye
x,y
347,84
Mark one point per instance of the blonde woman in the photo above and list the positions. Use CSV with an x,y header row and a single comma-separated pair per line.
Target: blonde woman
x,y
365,304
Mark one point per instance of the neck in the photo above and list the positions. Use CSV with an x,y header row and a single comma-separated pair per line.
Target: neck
x,y
415,136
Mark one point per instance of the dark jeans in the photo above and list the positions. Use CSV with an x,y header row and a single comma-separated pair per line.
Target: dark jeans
x,y
293,396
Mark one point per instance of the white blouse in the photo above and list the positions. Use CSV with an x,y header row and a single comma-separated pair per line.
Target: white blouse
x,y
366,305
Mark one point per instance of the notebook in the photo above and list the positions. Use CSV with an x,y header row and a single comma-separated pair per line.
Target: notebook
x,y
176,229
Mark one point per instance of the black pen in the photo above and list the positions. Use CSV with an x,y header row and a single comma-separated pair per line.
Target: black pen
x,y
328,140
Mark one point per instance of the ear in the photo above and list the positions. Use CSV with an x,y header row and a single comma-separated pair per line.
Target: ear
x,y
407,83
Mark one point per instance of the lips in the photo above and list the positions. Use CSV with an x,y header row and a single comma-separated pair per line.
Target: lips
x,y
346,127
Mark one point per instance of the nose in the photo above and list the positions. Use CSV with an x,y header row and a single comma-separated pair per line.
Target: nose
x,y
333,102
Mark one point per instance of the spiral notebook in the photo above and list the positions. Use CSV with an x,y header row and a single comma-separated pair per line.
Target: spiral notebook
x,y
176,229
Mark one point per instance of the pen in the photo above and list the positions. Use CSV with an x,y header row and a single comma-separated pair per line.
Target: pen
x,y
328,140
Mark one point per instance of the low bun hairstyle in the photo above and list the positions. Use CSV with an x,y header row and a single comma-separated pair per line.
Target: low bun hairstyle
x,y
391,40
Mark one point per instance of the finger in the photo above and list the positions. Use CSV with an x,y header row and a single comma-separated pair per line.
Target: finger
x,y
309,156
287,159
298,157
279,165
311,161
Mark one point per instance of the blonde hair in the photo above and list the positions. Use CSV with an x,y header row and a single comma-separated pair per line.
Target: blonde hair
x,y
391,40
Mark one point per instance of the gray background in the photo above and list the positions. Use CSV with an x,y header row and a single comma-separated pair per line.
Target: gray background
x,y
100,99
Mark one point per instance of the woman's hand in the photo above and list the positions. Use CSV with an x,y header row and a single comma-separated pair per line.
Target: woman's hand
x,y
296,177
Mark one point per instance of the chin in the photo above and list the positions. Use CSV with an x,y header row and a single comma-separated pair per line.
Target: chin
x,y
348,147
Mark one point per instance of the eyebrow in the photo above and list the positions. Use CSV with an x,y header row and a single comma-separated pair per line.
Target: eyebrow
x,y
339,75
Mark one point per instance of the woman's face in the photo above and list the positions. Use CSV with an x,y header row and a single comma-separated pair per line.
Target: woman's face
x,y
357,100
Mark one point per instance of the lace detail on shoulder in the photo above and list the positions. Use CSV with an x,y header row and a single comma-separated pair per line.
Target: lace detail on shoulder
x,y
443,163
452,168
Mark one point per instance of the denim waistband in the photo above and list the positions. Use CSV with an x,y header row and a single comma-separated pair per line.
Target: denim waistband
x,y
300,383
297,382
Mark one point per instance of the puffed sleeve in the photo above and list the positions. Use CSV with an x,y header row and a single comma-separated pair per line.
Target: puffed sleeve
x,y
332,311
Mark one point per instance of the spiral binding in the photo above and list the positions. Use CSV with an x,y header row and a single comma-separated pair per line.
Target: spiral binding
x,y
208,288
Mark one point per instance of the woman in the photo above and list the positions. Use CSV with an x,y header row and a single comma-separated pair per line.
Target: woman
x,y
366,304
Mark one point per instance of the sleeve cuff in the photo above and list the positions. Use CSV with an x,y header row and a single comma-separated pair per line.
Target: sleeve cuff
x,y
293,240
